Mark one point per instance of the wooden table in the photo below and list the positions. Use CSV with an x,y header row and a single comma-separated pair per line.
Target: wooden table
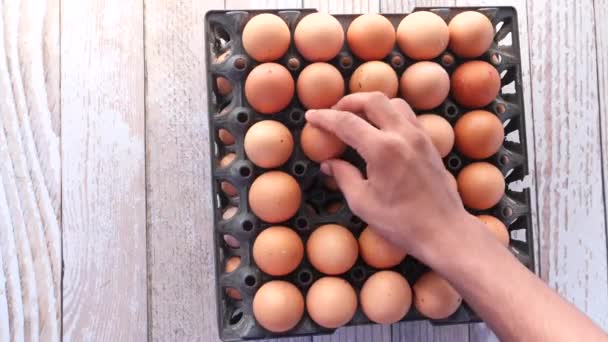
x,y
105,211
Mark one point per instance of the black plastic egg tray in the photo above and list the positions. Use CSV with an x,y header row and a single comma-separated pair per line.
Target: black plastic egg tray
x,y
227,58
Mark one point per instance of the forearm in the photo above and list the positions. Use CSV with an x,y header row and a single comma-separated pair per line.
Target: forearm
x,y
513,301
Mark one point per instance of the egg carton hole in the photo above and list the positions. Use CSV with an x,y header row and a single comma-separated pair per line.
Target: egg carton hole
x,y
250,280
302,223
447,60
293,64
508,88
513,136
506,212
346,62
247,225
454,162
357,274
236,317
299,169
496,58
221,38
242,118
231,241
503,160
500,108
451,111
305,277
506,41
240,63
397,61
245,171
296,116
519,234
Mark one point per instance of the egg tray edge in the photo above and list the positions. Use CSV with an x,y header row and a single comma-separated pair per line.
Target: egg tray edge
x,y
235,318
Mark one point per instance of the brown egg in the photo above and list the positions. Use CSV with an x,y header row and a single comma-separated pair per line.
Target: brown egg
x,y
434,297
278,250
475,84
377,251
333,207
231,265
332,249
275,196
471,34
268,144
319,37
479,134
278,306
226,187
385,297
374,76
496,227
320,85
422,35
266,37
224,87
269,88
319,145
425,85
225,136
371,36
440,131
481,185
331,302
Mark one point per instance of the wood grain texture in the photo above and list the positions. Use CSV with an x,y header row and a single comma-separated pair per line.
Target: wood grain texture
x,y
103,200
261,4
181,272
30,237
571,204
601,33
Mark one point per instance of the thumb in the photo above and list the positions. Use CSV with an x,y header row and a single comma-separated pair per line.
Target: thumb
x,y
349,178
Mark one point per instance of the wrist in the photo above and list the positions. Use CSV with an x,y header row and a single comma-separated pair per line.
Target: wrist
x,y
449,244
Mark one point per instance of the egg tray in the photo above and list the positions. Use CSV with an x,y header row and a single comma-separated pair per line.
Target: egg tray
x,y
227,58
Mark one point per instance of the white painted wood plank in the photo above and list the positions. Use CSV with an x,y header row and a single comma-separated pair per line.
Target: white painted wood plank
x,y
30,238
181,267
344,6
601,32
573,256
103,174
262,4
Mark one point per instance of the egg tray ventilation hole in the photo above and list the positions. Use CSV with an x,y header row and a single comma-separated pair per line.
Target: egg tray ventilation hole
x,y
225,57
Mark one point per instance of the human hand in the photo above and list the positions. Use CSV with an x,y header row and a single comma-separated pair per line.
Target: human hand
x,y
407,195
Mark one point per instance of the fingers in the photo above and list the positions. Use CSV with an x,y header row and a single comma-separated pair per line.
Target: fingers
x,y
404,109
348,127
375,106
349,178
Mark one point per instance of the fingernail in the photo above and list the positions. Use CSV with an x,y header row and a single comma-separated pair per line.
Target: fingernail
x,y
326,169
308,112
